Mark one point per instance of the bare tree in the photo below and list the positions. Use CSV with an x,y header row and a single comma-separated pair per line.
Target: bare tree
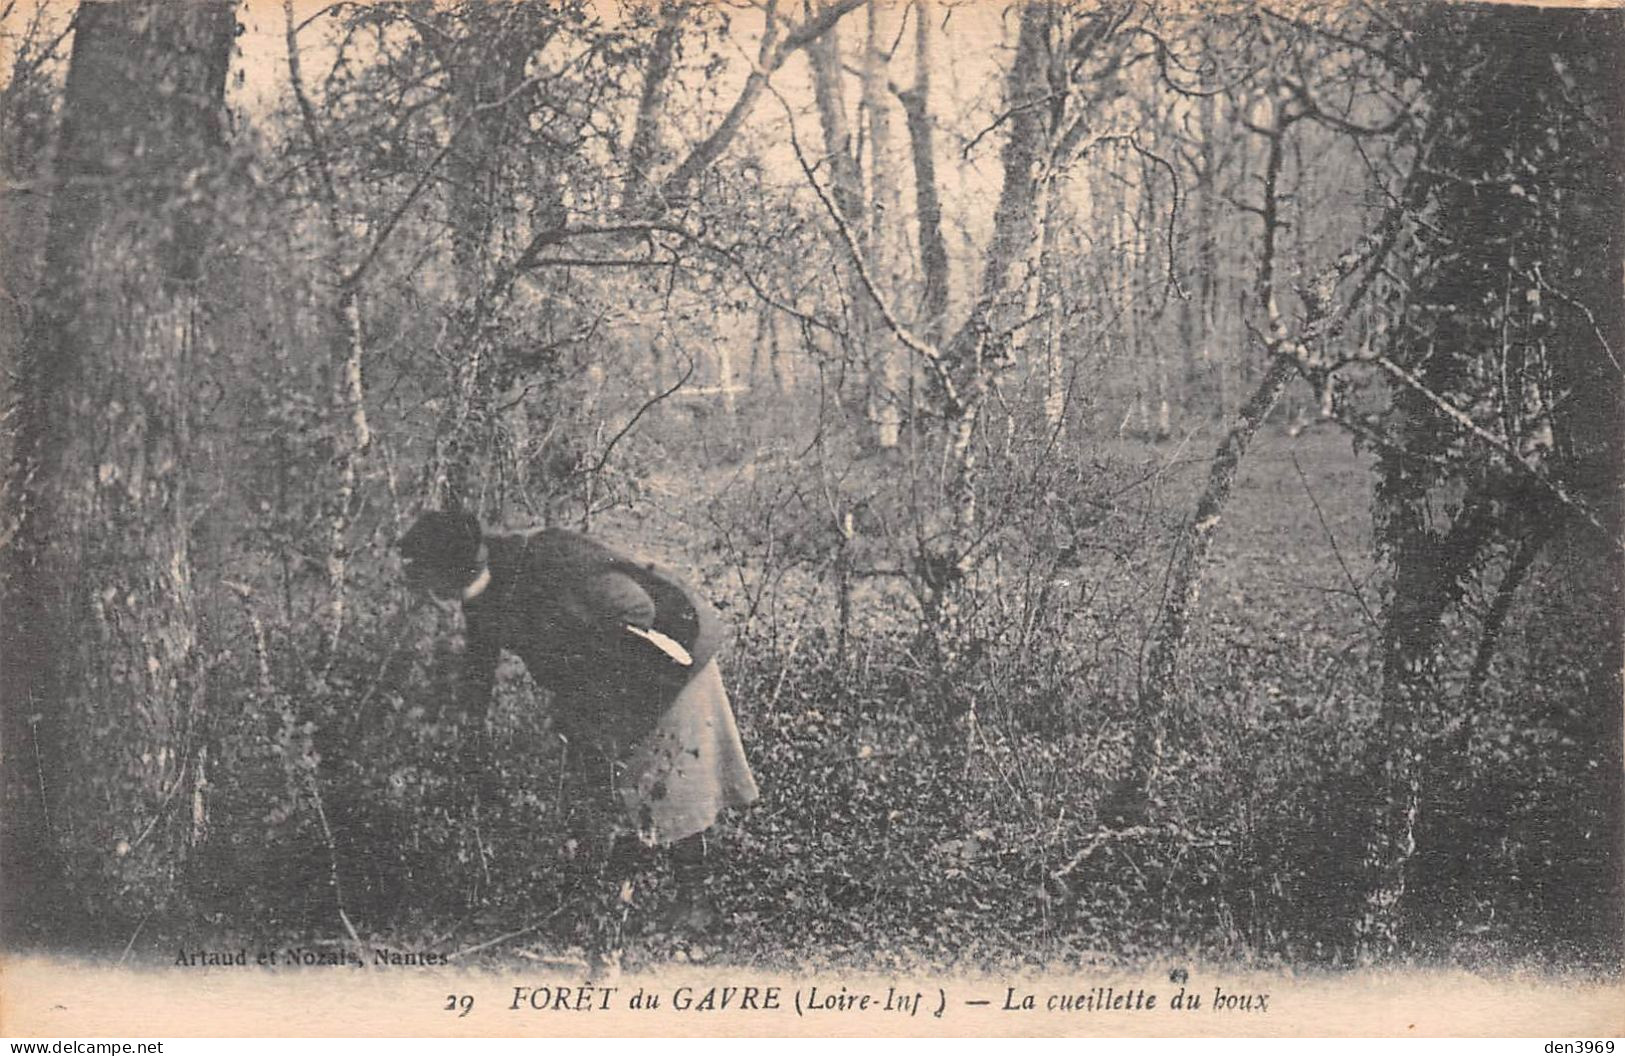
x,y
1513,410
342,336
1290,349
104,685
487,63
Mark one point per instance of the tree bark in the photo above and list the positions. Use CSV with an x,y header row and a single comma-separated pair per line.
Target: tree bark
x,y
932,318
490,70
885,359
1015,217
643,153
103,685
1049,285
866,328
1196,315
343,335
977,348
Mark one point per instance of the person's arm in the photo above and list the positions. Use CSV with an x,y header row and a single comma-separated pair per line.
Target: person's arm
x,y
682,617
624,620
608,600
638,621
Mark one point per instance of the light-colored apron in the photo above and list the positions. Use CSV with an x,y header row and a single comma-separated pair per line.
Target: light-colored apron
x,y
690,768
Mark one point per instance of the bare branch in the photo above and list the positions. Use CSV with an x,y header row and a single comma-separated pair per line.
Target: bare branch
x,y
1337,551
1173,212
1579,306
1500,444
393,220
674,188
609,448
641,154
323,12
929,353
1006,115
307,114
1295,22
1314,111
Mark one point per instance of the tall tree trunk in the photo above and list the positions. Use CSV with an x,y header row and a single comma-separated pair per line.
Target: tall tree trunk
x,y
1209,282
491,67
1196,335
775,48
886,362
979,347
1430,576
1049,284
351,438
1160,688
851,203
824,57
103,685
1483,240
1146,253
1015,218
643,154
932,318
343,336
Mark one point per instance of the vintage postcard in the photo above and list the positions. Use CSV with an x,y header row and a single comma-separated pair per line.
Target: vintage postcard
x,y
823,518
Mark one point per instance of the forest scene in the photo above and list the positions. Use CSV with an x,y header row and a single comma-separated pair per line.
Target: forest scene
x,y
1159,464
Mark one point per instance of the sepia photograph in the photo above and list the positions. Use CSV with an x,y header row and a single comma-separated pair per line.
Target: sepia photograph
x,y
811,517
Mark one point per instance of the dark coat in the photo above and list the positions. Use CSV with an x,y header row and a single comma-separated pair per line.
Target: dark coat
x,y
562,602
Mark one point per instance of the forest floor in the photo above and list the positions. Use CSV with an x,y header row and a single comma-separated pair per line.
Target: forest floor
x,y
898,828
890,836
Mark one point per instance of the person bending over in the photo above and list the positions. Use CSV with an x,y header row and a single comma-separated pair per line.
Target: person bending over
x,y
627,650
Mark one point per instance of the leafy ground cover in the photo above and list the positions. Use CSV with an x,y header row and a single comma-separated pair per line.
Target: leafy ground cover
x,y
899,825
